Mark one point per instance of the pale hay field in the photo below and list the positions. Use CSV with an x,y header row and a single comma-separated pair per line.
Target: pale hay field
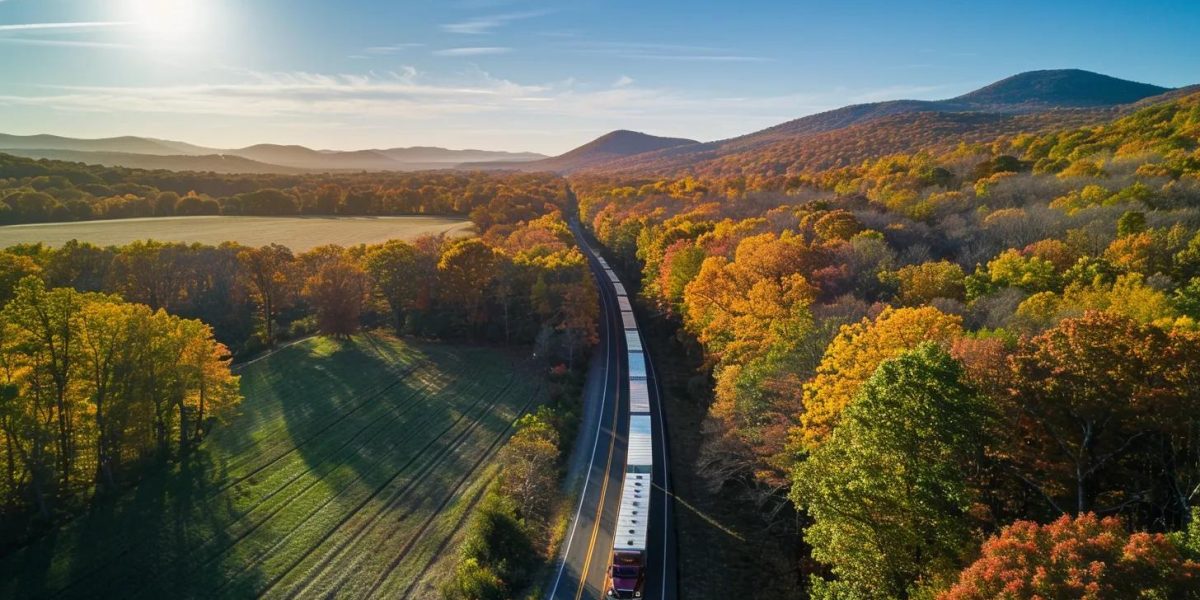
x,y
297,233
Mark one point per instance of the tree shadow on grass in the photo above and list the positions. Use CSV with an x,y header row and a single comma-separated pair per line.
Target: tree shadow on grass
x,y
322,429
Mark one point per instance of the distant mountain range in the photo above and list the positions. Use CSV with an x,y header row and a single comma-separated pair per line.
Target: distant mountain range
x,y
1028,102
1032,101
150,153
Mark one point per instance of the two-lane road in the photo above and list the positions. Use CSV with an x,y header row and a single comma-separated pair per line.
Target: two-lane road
x,y
598,463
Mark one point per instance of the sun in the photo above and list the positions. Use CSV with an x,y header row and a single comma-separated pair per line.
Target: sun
x,y
166,19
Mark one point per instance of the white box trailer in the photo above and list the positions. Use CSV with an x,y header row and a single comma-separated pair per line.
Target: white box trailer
x,y
620,289
623,302
639,397
641,444
634,517
603,263
627,320
633,341
637,365
612,276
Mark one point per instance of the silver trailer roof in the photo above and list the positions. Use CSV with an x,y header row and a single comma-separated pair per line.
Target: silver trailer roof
x,y
634,516
637,365
639,396
612,276
632,340
623,302
627,320
641,449
620,289
603,263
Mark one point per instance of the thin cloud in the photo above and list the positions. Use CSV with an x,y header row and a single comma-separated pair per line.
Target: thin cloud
x,y
623,81
75,25
488,24
473,51
392,48
666,52
62,43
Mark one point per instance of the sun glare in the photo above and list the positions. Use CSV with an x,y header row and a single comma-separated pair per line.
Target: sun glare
x,y
167,19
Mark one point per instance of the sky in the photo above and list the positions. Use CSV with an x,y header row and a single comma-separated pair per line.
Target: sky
x,y
541,76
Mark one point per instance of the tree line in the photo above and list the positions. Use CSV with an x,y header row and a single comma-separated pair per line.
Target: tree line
x,y
935,358
39,191
519,284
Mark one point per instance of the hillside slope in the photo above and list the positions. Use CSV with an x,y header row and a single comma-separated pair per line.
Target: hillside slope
x,y
1032,101
604,149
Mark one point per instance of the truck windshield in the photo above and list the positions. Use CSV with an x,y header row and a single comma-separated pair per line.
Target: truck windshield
x,y
620,571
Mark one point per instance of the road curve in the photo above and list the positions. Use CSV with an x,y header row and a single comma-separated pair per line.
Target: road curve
x,y
597,464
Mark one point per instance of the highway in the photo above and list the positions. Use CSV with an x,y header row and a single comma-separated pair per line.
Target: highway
x,y
597,464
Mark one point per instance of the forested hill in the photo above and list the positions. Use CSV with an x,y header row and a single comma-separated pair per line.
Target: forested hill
x,y
1028,102
946,371
607,148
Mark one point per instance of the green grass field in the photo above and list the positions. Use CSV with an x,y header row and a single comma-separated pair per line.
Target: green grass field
x,y
349,472
297,233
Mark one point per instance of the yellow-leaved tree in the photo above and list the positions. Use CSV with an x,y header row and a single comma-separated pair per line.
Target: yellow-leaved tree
x,y
854,355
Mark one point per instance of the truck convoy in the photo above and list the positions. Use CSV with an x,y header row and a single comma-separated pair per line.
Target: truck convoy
x,y
626,575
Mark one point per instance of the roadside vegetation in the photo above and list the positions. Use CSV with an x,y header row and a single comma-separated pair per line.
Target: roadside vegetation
x,y
924,361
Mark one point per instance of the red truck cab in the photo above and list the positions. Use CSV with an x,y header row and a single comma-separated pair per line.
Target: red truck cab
x,y
626,574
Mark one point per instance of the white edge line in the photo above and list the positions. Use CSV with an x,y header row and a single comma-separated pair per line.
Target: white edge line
x,y
592,463
662,442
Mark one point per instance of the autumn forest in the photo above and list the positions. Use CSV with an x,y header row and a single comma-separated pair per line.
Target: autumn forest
x,y
934,354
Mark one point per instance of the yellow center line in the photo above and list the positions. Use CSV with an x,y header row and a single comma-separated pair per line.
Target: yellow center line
x,y
612,443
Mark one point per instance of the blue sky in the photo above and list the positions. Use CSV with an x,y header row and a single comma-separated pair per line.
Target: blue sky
x,y
541,76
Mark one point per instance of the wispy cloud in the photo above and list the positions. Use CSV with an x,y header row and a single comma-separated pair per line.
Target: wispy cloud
x,y
488,24
473,51
74,25
623,81
654,51
391,48
63,43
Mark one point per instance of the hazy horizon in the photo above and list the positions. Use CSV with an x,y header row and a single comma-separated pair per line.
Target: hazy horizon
x,y
530,76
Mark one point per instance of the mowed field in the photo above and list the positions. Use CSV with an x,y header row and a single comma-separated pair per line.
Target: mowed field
x,y
349,471
297,233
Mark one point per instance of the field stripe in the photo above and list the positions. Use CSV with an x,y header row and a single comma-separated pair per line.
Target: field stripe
x,y
458,488
262,556
323,468
128,546
368,524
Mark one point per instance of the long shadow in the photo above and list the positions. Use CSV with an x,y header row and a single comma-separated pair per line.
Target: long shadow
x,y
165,537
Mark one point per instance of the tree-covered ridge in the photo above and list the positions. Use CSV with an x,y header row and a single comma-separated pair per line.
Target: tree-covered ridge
x,y
1050,280
36,191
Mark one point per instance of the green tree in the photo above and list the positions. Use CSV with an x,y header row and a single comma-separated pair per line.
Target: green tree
x,y
400,273
270,274
887,492
1130,223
